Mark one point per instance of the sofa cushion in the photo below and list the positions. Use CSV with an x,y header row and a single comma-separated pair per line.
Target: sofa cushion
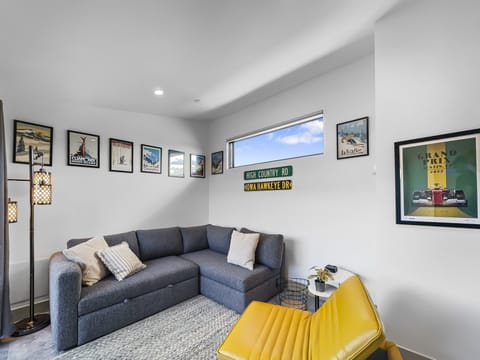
x,y
214,266
129,237
157,243
159,273
194,238
121,261
269,249
219,238
242,249
84,254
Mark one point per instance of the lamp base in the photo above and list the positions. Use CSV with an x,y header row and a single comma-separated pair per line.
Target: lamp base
x,y
25,326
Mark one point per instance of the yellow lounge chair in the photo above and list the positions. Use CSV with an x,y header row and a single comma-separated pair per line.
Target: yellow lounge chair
x,y
346,326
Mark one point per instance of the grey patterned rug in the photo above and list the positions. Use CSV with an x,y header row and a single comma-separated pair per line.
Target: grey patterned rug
x,y
192,329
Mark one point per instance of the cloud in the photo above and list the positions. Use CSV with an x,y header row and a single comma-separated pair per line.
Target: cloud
x,y
308,133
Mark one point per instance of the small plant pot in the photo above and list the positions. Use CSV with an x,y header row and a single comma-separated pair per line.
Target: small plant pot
x,y
319,285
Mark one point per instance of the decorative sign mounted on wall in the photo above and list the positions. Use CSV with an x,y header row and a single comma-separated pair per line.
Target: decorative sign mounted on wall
x,y
282,171
268,185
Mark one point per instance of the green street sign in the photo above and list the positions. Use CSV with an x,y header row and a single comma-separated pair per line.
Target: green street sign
x,y
282,171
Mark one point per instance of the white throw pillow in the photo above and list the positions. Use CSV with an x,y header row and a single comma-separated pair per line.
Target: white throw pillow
x,y
83,254
121,261
242,249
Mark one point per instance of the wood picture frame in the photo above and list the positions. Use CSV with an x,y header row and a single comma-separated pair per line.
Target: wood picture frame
x,y
121,156
352,138
26,134
217,163
151,159
83,149
437,180
176,163
197,166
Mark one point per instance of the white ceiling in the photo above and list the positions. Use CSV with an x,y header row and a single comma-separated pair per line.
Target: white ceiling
x,y
226,53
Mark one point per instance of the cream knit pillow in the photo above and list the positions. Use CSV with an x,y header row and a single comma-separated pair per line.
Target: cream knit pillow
x,y
83,254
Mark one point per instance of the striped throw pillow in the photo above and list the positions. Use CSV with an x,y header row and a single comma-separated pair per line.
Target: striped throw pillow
x,y
121,261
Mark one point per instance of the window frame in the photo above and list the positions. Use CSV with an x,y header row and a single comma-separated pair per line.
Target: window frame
x,y
283,125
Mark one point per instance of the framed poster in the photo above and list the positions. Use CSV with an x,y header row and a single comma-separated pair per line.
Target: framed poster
x,y
217,163
352,138
176,163
83,149
121,155
436,180
27,134
197,166
151,159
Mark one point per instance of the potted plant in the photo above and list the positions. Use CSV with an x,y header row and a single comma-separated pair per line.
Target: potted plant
x,y
321,275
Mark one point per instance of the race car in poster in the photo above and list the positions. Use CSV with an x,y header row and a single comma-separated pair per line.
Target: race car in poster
x,y
439,197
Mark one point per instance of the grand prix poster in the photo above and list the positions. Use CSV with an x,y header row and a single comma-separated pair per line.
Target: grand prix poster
x,y
437,180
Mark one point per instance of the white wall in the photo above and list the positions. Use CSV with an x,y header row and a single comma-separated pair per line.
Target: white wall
x,y
427,73
326,217
422,81
90,201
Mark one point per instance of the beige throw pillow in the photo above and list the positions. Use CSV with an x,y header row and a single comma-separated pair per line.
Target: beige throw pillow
x,y
242,249
83,254
121,261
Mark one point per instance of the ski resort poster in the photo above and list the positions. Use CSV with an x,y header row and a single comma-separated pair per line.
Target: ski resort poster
x,y
83,149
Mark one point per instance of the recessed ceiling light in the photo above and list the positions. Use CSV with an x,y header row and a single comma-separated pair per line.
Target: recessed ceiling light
x,y
158,92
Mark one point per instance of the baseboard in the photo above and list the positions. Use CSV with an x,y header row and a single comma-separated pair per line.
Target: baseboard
x,y
409,354
22,310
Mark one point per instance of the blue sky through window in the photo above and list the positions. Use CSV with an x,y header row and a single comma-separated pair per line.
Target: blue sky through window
x,y
289,142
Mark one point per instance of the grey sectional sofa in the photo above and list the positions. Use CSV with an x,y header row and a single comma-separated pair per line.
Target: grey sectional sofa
x,y
181,263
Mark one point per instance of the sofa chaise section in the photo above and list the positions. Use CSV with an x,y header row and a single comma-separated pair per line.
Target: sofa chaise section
x,y
231,285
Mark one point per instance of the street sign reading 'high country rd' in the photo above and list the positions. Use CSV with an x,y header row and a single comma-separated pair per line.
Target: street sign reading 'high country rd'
x,y
282,171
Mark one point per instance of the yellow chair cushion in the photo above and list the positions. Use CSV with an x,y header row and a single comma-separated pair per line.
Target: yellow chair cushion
x,y
345,327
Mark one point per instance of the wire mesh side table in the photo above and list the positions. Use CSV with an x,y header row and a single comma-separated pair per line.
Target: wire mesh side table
x,y
295,294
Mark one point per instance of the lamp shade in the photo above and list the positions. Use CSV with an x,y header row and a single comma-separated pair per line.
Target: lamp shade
x,y
42,187
12,211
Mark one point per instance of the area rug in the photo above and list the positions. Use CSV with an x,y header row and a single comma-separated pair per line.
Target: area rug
x,y
192,329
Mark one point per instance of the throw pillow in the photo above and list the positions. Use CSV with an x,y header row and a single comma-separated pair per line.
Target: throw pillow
x,y
83,254
121,261
242,249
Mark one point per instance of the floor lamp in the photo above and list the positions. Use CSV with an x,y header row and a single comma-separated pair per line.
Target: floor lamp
x,y
40,194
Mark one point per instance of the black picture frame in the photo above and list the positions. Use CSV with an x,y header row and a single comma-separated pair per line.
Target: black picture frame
x,y
151,159
176,163
437,180
353,138
83,149
216,163
27,134
121,155
197,166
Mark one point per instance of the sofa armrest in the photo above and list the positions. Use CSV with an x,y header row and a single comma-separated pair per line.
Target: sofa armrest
x,y
65,288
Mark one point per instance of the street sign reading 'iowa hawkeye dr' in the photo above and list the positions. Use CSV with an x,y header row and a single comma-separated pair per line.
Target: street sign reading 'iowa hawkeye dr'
x,y
268,185
282,171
